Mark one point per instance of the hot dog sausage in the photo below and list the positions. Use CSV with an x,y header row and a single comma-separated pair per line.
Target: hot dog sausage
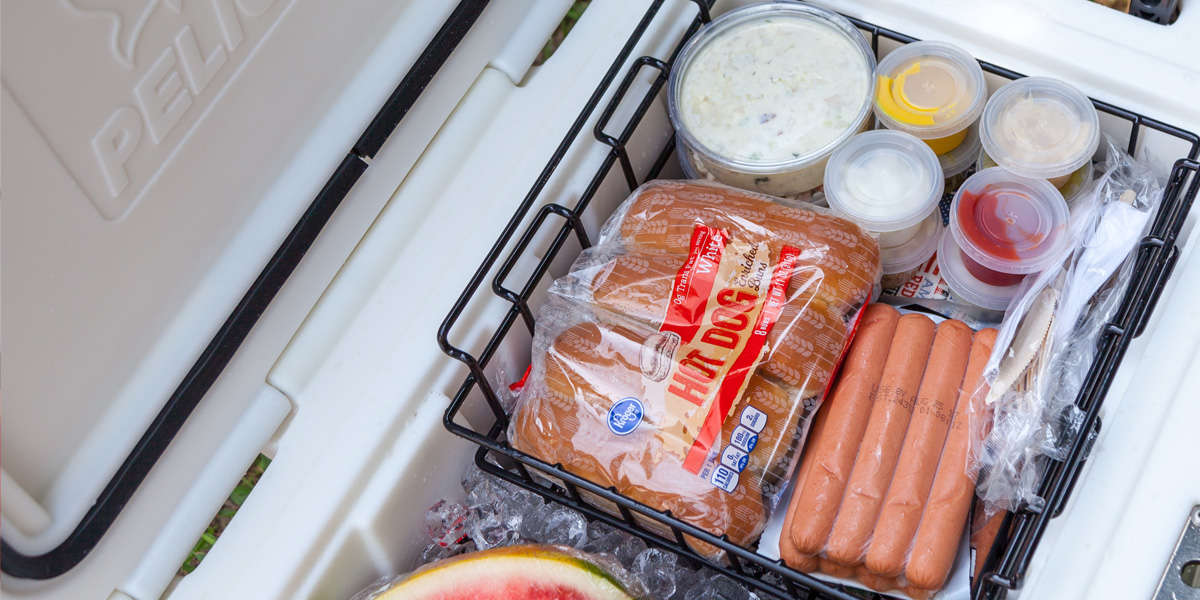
x,y
941,528
901,511
787,550
880,449
831,568
832,450
805,563
983,537
876,582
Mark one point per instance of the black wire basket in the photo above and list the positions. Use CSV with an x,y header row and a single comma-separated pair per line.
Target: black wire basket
x,y
554,224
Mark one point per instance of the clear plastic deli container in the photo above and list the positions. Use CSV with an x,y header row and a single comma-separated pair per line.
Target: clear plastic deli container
x,y
900,261
1070,184
1042,128
932,90
764,94
966,286
957,164
890,183
1007,226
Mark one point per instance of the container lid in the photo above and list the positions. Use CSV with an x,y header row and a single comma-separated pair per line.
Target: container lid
x,y
746,89
1009,223
1039,127
916,249
966,286
884,180
929,89
149,223
962,156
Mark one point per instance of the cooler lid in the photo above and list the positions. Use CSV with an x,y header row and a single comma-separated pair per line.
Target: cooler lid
x,y
161,158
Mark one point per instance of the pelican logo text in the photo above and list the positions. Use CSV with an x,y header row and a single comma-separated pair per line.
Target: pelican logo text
x,y
167,61
625,416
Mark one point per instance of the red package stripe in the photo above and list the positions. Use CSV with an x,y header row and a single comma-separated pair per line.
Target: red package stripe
x,y
837,367
744,364
694,282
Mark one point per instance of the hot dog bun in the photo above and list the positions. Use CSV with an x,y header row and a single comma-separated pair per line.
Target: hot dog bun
x,y
802,348
662,215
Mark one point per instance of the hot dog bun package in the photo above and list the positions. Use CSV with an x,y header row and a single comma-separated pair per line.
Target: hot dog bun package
x,y
683,356
886,483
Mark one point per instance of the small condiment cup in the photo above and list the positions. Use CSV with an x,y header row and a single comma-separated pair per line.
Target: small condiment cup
x,y
1007,226
1041,128
933,90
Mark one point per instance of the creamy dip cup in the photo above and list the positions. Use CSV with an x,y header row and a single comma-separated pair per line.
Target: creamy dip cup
x,y
933,90
764,94
1041,128
890,183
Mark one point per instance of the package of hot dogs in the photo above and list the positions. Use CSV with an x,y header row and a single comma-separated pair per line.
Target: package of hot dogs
x,y
682,358
886,481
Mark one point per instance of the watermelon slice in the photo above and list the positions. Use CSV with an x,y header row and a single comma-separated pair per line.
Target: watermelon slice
x,y
512,573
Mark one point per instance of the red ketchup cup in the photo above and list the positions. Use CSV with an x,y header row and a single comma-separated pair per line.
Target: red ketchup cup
x,y
1006,226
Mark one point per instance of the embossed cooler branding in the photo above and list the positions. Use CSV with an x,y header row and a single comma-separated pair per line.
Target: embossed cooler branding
x,y
725,299
141,74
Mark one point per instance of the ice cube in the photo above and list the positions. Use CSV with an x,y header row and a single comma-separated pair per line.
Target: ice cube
x,y
436,551
472,477
629,549
656,569
490,529
719,587
564,527
446,523
604,544
599,529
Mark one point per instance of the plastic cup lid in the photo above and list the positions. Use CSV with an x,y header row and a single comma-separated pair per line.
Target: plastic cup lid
x,y
884,180
1039,127
779,14
962,156
1009,223
964,285
916,250
929,89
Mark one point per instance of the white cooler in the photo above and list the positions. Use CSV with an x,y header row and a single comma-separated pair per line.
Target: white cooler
x,y
193,216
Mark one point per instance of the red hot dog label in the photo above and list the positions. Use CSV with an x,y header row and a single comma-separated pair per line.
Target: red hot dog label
x,y
724,301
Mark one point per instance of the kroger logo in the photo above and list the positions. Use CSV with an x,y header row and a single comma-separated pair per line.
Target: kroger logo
x,y
625,416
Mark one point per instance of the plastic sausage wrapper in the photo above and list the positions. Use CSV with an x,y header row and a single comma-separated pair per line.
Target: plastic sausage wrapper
x,y
883,492
682,358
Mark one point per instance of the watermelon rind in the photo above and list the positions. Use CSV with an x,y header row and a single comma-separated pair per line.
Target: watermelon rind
x,y
548,565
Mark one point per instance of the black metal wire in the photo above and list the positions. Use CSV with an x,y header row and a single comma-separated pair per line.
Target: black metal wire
x,y
1004,568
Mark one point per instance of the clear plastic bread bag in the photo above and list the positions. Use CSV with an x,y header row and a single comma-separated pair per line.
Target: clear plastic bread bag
x,y
684,355
1049,337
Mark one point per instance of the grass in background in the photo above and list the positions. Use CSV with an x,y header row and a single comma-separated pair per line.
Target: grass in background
x,y
561,32
236,498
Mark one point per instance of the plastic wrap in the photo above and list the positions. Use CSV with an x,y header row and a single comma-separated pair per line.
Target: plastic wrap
x,y
512,572
884,489
681,359
1049,337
